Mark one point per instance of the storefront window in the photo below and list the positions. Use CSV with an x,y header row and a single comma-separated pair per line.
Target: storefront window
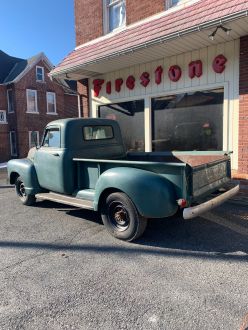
x,y
130,116
188,121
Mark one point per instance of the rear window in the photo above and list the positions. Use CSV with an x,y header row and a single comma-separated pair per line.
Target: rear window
x,y
98,133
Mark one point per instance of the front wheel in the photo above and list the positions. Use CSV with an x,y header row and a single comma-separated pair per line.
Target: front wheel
x,y
21,193
121,217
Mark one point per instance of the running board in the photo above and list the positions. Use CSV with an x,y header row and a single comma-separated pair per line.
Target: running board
x,y
64,199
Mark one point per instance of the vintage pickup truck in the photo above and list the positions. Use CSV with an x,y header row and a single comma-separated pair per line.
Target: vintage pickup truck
x,y
83,163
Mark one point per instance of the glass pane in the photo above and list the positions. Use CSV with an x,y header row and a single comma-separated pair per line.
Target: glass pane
x,y
52,138
130,116
98,132
10,101
117,15
50,102
39,74
31,101
189,121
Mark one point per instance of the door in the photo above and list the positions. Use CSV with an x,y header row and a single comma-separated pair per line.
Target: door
x,y
48,161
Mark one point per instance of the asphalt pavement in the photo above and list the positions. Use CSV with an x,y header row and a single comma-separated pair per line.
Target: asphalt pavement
x,y
60,269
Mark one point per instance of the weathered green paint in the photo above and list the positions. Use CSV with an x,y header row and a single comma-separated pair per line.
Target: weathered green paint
x,y
153,195
24,168
87,169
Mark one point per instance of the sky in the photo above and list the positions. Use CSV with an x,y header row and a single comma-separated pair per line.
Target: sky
x,y
28,27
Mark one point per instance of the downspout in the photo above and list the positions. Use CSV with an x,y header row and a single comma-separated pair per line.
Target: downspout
x,y
79,106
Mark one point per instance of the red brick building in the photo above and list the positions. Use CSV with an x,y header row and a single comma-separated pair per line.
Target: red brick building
x,y
28,101
174,73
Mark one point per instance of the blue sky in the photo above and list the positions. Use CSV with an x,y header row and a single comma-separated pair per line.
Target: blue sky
x,y
31,26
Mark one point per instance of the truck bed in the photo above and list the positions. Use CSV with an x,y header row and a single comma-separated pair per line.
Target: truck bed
x,y
194,174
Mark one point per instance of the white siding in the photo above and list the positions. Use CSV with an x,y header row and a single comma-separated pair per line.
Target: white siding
x,y
229,79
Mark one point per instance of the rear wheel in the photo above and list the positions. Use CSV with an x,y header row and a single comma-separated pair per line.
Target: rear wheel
x,y
21,193
121,217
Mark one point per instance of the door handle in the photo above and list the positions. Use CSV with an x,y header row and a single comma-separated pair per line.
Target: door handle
x,y
56,154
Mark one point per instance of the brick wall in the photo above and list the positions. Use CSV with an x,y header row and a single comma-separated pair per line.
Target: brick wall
x,y
83,90
243,109
140,9
66,106
88,20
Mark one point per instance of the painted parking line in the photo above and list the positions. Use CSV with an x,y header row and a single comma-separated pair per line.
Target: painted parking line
x,y
242,230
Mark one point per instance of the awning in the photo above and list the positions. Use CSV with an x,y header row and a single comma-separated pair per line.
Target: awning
x,y
167,34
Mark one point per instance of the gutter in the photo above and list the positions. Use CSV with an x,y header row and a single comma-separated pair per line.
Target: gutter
x,y
213,23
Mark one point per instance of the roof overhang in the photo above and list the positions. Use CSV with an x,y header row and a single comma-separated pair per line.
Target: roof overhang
x,y
178,42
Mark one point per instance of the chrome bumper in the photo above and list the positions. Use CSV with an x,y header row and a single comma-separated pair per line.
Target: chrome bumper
x,y
195,211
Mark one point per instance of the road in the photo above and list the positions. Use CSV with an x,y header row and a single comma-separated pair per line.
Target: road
x,y
59,269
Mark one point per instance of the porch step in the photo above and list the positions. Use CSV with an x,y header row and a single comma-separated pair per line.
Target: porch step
x,y
65,199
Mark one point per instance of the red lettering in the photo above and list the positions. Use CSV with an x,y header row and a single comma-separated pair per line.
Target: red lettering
x,y
158,75
195,69
97,86
130,83
108,87
145,79
219,63
118,84
175,73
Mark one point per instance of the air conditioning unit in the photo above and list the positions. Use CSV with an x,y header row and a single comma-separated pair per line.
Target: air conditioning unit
x,y
3,116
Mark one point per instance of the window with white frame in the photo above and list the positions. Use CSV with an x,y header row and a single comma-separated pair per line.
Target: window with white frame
x,y
173,3
3,119
33,138
32,101
39,73
114,14
51,103
13,147
10,100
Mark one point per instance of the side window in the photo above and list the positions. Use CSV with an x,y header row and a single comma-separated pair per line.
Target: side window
x,y
98,132
52,138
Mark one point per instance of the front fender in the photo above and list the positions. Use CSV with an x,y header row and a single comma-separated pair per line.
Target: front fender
x,y
24,168
153,195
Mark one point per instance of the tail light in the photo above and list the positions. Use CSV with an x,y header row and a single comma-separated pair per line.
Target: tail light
x,y
182,202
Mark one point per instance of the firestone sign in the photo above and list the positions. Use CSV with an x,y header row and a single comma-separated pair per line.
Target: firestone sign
x,y
195,69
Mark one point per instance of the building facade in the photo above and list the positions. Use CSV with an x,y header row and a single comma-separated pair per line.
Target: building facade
x,y
28,101
173,73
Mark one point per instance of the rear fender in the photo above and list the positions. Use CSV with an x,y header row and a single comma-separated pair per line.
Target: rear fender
x,y
153,195
24,168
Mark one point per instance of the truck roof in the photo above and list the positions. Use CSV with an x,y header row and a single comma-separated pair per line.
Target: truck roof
x,y
84,121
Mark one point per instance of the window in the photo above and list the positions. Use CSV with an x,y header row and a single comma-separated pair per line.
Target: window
x,y
130,116
33,138
32,101
173,3
3,119
114,15
13,148
188,121
98,132
39,73
51,103
52,138
10,101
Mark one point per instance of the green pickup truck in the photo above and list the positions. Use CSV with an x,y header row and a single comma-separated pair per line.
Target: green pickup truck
x,y
83,163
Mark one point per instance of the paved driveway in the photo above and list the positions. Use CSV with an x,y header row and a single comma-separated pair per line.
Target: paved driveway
x,y
59,269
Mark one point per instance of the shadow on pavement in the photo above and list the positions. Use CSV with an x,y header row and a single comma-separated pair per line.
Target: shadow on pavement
x,y
171,237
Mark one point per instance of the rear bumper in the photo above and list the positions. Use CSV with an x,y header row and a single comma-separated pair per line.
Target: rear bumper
x,y
195,211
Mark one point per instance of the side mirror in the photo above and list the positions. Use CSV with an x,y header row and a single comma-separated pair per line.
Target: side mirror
x,y
34,139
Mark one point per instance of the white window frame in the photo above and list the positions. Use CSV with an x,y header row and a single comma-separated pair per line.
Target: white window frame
x,y
11,144
106,7
55,108
43,74
30,138
180,4
8,100
4,116
36,104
